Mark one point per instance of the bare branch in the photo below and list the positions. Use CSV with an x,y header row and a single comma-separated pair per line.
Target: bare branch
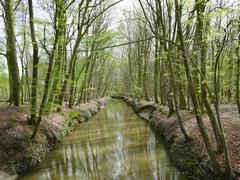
x,y
3,54
16,6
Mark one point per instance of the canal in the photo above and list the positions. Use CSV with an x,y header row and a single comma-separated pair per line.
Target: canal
x,y
115,144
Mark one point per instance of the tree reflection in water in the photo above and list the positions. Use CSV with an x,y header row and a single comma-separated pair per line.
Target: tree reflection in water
x,y
115,144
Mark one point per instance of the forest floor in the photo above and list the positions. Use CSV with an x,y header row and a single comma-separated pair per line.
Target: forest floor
x,y
17,152
186,155
231,124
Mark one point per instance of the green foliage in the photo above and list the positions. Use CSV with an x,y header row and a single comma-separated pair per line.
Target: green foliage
x,y
4,86
73,115
103,38
189,22
137,91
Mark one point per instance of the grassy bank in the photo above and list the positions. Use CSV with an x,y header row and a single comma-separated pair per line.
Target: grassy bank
x,y
18,153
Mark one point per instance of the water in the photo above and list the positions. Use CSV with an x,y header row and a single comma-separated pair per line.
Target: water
x,y
115,144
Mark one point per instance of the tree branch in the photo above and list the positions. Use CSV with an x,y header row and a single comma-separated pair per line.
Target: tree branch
x,y
128,43
3,54
16,6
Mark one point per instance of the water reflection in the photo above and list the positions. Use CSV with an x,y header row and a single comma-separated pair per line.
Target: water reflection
x,y
116,144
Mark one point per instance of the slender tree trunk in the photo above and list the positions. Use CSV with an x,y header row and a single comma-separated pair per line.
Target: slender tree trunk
x,y
60,5
139,65
32,119
162,84
130,66
229,70
28,91
156,72
83,86
72,87
238,72
217,88
22,49
90,74
23,76
145,91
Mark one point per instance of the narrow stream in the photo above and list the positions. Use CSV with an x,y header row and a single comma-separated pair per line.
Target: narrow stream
x,y
115,144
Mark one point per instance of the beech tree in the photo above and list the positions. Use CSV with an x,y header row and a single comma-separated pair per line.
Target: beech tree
x,y
11,53
35,65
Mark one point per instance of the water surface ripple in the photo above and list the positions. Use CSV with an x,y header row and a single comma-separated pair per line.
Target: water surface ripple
x,y
115,144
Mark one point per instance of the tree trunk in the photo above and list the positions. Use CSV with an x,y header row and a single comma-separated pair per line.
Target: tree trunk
x,y
60,5
174,97
32,119
156,72
144,78
238,72
14,79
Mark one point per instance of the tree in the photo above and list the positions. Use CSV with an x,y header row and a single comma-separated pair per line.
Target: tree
x,y
11,53
238,70
32,119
